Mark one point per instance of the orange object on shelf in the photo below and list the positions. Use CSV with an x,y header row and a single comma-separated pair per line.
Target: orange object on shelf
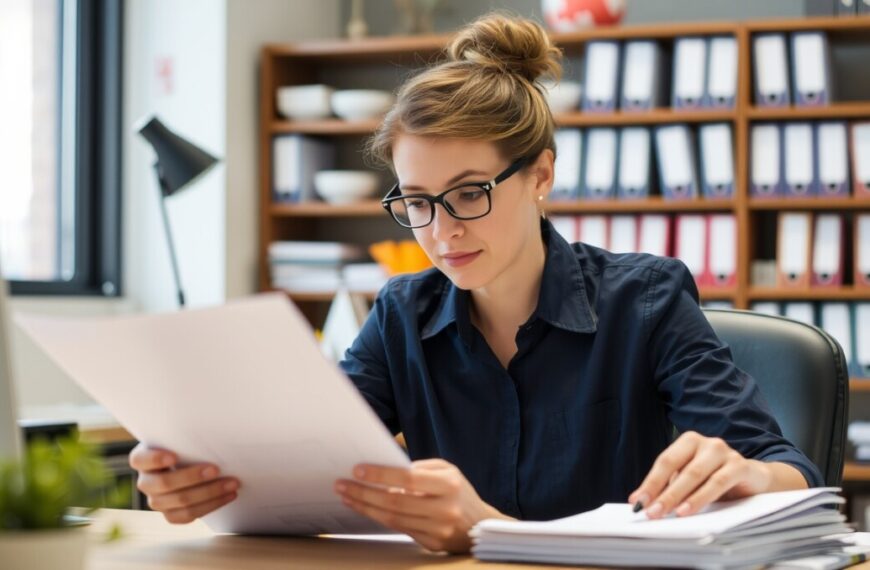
x,y
405,256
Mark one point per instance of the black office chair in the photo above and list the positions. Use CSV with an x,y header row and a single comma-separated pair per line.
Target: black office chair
x,y
802,373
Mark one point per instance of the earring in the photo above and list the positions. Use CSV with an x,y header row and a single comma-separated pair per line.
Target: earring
x,y
540,197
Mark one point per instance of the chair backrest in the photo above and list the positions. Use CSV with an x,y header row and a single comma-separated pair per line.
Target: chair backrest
x,y
802,372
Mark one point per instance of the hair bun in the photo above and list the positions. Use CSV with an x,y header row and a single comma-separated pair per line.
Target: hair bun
x,y
509,44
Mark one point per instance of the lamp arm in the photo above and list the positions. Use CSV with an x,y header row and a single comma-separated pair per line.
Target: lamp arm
x,y
172,257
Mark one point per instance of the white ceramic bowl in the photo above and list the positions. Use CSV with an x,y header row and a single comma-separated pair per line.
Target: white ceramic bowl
x,y
564,96
358,104
345,186
304,101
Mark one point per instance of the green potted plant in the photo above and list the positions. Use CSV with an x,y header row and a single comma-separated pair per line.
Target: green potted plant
x,y
36,496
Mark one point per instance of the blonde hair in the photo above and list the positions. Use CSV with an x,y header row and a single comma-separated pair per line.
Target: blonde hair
x,y
489,88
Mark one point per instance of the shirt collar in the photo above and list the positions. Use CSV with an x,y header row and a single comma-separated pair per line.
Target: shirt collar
x,y
562,301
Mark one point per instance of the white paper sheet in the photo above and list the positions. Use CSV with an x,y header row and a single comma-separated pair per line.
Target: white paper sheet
x,y
244,386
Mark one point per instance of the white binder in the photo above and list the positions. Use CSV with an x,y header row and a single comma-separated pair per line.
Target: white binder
x,y
593,230
835,319
800,311
799,159
793,249
862,339
674,149
722,72
862,250
765,307
602,76
565,226
690,63
634,162
623,234
861,158
654,234
566,170
828,250
771,70
640,76
722,260
600,163
812,76
717,160
832,149
691,243
766,160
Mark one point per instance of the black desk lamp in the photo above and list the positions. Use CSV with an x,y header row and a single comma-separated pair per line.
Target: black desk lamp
x,y
179,162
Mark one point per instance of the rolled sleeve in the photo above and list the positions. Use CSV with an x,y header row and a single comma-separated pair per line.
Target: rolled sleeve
x,y
698,380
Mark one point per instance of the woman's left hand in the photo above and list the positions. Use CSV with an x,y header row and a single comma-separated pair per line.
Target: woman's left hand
x,y
431,501
695,471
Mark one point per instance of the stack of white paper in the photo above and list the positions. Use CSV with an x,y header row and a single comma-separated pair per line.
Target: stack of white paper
x,y
751,531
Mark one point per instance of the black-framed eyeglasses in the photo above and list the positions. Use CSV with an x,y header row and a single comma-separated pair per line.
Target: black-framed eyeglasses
x,y
468,201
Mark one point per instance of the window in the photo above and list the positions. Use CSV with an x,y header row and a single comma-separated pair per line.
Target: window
x,y
59,146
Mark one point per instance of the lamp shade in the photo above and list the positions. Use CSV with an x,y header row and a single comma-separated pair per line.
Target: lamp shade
x,y
178,160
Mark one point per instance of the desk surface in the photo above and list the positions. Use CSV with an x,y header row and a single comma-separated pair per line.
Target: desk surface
x,y
150,542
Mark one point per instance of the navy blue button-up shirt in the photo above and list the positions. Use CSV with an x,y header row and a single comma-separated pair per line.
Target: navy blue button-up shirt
x,y
616,354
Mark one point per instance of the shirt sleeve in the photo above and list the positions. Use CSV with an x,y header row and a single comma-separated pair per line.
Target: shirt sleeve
x,y
703,388
365,362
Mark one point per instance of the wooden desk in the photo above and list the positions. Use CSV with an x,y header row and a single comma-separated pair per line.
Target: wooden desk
x,y
150,542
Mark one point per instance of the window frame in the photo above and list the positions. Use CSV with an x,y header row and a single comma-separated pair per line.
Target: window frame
x,y
97,156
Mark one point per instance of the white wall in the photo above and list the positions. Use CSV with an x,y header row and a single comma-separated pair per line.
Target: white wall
x,y
213,46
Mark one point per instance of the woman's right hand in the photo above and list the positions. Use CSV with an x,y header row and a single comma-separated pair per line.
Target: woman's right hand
x,y
182,494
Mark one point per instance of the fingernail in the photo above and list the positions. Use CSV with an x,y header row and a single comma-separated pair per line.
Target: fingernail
x,y
210,472
231,486
642,499
683,509
655,511
359,471
340,487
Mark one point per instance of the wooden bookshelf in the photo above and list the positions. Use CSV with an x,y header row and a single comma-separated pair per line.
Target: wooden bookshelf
x,y
312,62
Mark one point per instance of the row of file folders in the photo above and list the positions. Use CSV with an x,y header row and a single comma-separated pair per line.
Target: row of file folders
x,y
848,323
826,159
794,67
601,163
706,243
811,250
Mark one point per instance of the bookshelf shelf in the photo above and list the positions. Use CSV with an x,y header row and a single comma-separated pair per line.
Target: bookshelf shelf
x,y
846,293
817,203
851,110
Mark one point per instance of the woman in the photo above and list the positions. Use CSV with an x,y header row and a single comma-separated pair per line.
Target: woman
x,y
530,378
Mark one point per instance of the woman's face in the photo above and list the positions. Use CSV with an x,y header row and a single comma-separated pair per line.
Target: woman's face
x,y
472,253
